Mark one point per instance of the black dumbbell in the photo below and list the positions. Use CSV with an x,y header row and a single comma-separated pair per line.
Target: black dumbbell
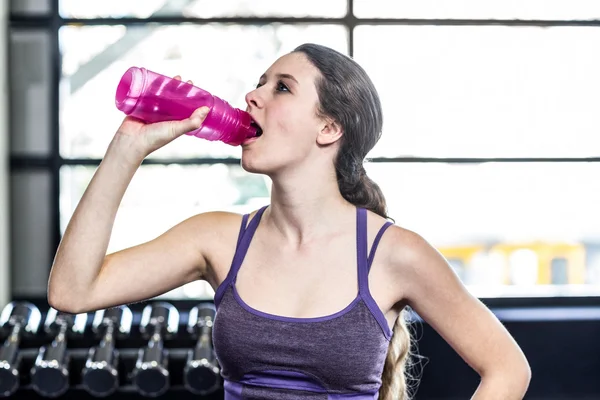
x,y
50,373
201,373
160,321
18,319
100,376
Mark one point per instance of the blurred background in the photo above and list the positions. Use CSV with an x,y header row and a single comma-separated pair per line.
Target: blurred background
x,y
490,147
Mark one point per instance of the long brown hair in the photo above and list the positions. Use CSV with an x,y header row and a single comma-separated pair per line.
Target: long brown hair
x,y
347,94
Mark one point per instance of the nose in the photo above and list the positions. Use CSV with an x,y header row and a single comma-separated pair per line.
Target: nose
x,y
253,99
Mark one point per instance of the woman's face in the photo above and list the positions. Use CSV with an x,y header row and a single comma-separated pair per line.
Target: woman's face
x,y
284,105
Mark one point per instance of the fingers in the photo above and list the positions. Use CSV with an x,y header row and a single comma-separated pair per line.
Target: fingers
x,y
178,78
178,128
176,84
196,119
199,115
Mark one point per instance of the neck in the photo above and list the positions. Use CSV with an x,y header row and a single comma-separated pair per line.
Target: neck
x,y
303,210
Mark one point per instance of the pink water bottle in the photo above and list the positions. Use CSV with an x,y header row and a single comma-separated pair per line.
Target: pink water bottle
x,y
153,97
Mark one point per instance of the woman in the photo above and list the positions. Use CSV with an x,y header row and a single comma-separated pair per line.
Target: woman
x,y
323,239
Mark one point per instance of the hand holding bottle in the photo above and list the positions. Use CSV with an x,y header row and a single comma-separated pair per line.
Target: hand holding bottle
x,y
81,261
143,138
151,97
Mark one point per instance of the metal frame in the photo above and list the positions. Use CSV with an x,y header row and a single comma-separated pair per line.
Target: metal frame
x,y
53,22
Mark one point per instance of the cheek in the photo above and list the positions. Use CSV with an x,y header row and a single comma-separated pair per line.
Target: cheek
x,y
295,123
284,119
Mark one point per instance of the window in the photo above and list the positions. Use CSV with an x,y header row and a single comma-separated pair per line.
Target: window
x,y
477,9
484,91
489,146
95,58
202,8
160,196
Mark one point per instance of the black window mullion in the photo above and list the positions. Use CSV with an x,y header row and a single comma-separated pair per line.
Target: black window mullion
x,y
55,159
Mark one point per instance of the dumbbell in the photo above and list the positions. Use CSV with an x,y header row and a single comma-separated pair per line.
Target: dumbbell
x,y
100,376
201,372
160,321
50,372
19,319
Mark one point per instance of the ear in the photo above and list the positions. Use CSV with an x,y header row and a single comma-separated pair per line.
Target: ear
x,y
331,132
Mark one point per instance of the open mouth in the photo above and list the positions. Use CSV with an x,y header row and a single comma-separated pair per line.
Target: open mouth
x,y
259,131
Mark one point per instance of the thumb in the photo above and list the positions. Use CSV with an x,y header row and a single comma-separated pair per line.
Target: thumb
x,y
198,116
193,122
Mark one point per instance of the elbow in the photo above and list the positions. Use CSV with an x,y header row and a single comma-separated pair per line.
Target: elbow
x,y
514,376
63,300
521,372
525,376
520,377
61,304
61,294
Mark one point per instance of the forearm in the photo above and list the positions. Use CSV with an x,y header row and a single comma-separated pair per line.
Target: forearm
x,y
82,250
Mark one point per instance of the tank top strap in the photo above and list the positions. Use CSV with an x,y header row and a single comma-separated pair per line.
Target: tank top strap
x,y
242,230
364,264
376,243
243,242
361,250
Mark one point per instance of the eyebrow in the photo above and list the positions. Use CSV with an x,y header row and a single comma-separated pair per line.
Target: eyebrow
x,y
280,76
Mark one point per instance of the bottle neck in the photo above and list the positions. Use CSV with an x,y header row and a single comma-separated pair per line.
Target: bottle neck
x,y
234,125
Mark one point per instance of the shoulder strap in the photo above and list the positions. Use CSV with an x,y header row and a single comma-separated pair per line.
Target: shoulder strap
x,y
244,243
376,243
244,237
364,265
242,230
361,250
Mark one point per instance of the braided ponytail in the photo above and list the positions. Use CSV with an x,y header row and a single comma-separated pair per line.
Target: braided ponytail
x,y
356,187
393,380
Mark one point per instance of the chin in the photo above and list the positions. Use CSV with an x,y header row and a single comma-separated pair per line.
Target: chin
x,y
249,164
256,165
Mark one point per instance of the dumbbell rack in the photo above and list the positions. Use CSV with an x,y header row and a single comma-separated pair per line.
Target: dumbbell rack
x,y
78,349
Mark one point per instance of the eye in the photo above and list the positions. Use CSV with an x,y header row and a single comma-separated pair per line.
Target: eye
x,y
281,87
258,85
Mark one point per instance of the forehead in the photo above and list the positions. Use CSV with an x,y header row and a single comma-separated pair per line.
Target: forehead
x,y
295,64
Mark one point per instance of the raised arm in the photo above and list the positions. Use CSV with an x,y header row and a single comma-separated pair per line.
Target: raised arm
x,y
82,277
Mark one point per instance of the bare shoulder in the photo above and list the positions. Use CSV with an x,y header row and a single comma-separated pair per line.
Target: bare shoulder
x,y
211,229
412,263
407,248
216,235
400,246
213,225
